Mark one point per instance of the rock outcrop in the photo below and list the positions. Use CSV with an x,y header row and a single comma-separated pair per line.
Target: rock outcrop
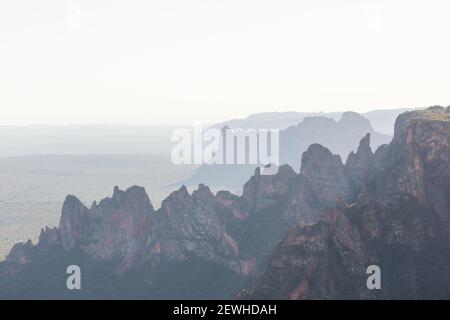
x,y
326,173
399,222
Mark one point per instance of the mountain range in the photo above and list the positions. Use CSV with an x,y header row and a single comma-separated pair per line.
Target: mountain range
x,y
400,222
339,136
293,235
382,120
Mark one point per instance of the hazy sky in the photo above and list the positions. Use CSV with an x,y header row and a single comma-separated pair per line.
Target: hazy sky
x,y
174,61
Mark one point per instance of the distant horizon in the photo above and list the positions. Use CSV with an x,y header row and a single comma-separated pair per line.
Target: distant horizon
x,y
189,123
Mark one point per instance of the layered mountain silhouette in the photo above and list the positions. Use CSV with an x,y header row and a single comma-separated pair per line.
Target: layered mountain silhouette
x,y
340,137
399,222
382,120
390,208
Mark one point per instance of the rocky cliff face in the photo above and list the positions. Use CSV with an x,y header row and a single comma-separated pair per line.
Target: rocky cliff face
x,y
326,173
205,245
398,222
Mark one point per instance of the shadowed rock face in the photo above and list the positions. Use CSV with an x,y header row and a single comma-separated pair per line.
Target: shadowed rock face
x,y
74,222
359,166
400,222
123,241
326,173
202,245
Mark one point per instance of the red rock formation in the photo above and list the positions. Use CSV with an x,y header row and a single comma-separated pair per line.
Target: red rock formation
x,y
402,225
207,245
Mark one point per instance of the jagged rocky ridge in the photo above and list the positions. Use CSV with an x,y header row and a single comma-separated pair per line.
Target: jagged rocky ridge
x,y
400,221
340,137
210,246
195,246
179,250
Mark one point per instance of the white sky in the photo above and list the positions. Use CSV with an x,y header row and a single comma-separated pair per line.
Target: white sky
x,y
178,61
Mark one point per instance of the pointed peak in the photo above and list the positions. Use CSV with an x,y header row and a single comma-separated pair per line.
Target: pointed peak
x,y
203,188
286,169
178,196
133,191
364,144
316,150
363,157
202,193
136,190
72,202
116,191
49,235
182,192
137,194
317,158
21,252
355,120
